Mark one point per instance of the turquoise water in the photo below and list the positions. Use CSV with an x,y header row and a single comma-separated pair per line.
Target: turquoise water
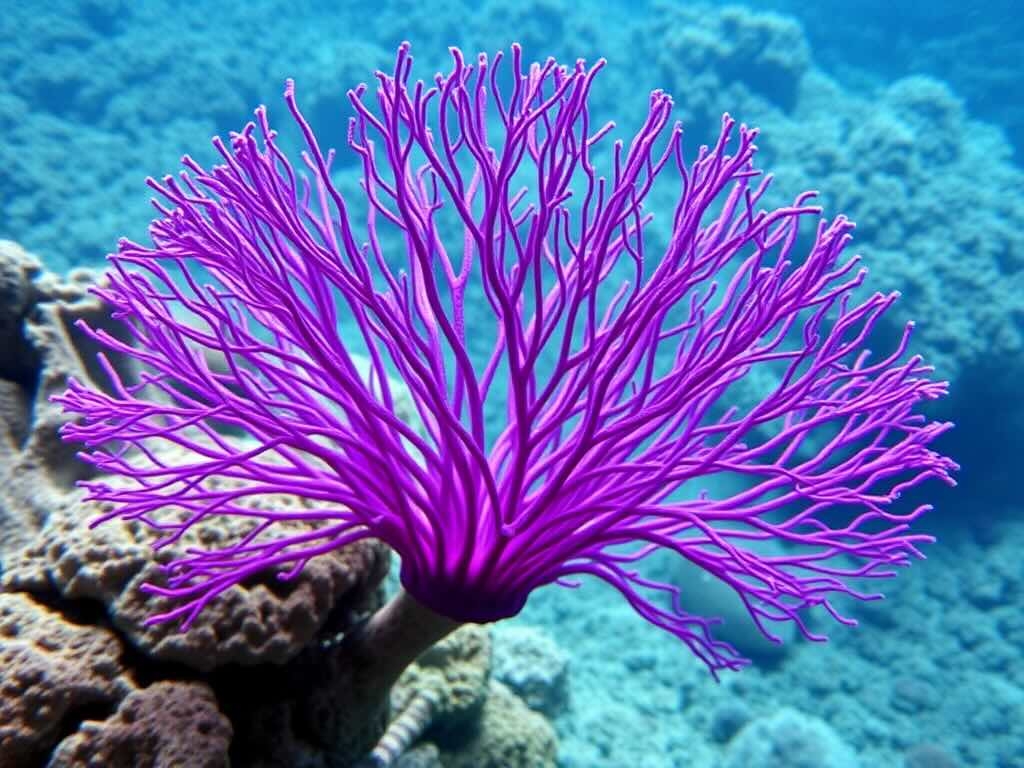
x,y
907,116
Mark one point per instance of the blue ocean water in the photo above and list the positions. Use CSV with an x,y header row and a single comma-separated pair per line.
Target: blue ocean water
x,y
907,116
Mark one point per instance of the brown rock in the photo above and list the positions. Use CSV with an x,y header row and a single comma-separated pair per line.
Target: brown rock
x,y
167,724
50,669
257,622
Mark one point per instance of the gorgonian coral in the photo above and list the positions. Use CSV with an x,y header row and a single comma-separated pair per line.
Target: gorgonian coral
x,y
578,441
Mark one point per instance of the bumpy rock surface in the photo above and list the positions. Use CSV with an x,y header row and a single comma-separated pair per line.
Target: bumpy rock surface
x,y
39,348
65,678
726,57
47,546
531,663
478,722
789,739
508,734
50,669
283,700
169,723
424,756
897,163
253,623
456,671
270,650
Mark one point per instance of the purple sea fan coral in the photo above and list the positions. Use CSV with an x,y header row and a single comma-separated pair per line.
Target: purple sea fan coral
x,y
609,367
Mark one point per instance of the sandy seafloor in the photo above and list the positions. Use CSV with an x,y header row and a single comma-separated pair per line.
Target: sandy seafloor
x,y
906,115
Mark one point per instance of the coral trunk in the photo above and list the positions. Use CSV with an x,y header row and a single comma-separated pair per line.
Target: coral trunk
x,y
392,639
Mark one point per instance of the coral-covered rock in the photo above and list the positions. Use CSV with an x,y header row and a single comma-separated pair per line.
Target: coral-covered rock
x,y
424,755
48,553
731,59
262,621
928,755
50,669
39,348
534,666
898,163
283,629
508,734
168,723
457,669
789,739
443,692
18,270
934,114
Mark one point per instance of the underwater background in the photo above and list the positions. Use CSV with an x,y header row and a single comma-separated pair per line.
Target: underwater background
x,y
907,116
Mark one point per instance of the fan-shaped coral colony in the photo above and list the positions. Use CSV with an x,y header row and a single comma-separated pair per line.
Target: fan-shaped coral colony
x,y
278,324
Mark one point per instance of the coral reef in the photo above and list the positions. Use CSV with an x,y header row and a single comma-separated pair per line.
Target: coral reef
x,y
789,739
48,550
508,735
96,91
276,636
443,691
168,723
899,171
449,698
271,629
731,59
896,159
978,51
39,348
85,681
623,412
50,670
99,91
456,671
529,661
261,621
